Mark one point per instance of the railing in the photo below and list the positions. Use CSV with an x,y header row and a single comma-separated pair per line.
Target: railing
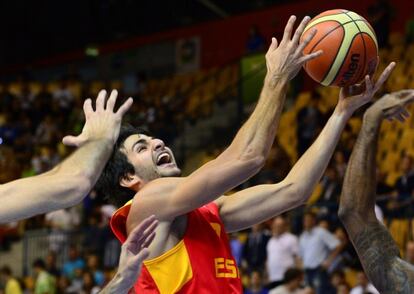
x,y
39,243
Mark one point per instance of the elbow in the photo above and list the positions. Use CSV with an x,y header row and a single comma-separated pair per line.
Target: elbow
x,y
254,160
345,213
300,193
83,187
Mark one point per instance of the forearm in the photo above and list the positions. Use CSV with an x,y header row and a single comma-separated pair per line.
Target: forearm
x,y
358,192
88,161
61,187
256,136
309,169
379,256
266,201
117,286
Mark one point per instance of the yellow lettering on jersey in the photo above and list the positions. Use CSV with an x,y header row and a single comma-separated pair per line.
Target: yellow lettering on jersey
x,y
225,268
216,227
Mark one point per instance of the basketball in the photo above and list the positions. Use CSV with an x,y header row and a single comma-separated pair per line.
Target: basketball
x,y
349,46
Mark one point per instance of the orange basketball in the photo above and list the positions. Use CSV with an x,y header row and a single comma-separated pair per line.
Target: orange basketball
x,y
349,47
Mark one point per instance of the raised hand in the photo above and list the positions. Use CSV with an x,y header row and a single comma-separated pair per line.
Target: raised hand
x,y
353,97
393,105
134,251
102,123
284,60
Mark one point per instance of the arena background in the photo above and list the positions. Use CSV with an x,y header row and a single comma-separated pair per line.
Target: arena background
x,y
194,69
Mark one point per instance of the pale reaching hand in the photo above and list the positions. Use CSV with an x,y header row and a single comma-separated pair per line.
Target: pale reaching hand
x,y
102,123
392,106
353,97
284,61
134,251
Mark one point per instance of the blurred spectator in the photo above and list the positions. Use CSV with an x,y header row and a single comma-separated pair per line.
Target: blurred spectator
x,y
255,41
282,252
409,252
63,286
93,267
254,250
44,159
347,257
331,186
399,206
46,132
51,266
256,284
76,283
11,285
8,129
61,221
363,285
382,187
338,280
45,282
308,123
96,234
74,262
89,286
318,249
276,168
292,282
380,14
343,289
236,247
64,96
26,97
339,162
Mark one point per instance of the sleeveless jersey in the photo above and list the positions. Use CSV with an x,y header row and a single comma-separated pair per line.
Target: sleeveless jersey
x,y
200,263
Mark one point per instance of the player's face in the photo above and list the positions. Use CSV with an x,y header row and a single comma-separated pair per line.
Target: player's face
x,y
150,157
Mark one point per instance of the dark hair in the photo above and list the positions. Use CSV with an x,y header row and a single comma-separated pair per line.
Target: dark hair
x,y
5,270
117,167
310,213
39,263
292,274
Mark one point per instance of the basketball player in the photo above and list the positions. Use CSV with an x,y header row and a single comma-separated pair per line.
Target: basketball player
x,y
376,249
191,253
69,182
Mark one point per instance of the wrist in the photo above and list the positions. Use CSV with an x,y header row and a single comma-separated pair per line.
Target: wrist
x,y
105,143
118,285
342,114
372,116
371,122
273,80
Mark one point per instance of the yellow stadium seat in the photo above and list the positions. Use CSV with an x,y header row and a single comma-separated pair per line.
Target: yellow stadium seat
x,y
400,229
302,100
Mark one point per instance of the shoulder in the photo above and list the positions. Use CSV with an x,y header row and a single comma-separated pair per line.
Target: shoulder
x,y
155,191
291,236
148,200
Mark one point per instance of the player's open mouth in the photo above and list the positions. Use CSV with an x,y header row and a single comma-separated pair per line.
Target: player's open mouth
x,y
164,159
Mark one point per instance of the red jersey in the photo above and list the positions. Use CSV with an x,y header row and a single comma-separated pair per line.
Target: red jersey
x,y
200,263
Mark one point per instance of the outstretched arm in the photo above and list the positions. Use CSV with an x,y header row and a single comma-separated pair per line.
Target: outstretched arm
x,y
70,181
248,150
265,201
376,249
